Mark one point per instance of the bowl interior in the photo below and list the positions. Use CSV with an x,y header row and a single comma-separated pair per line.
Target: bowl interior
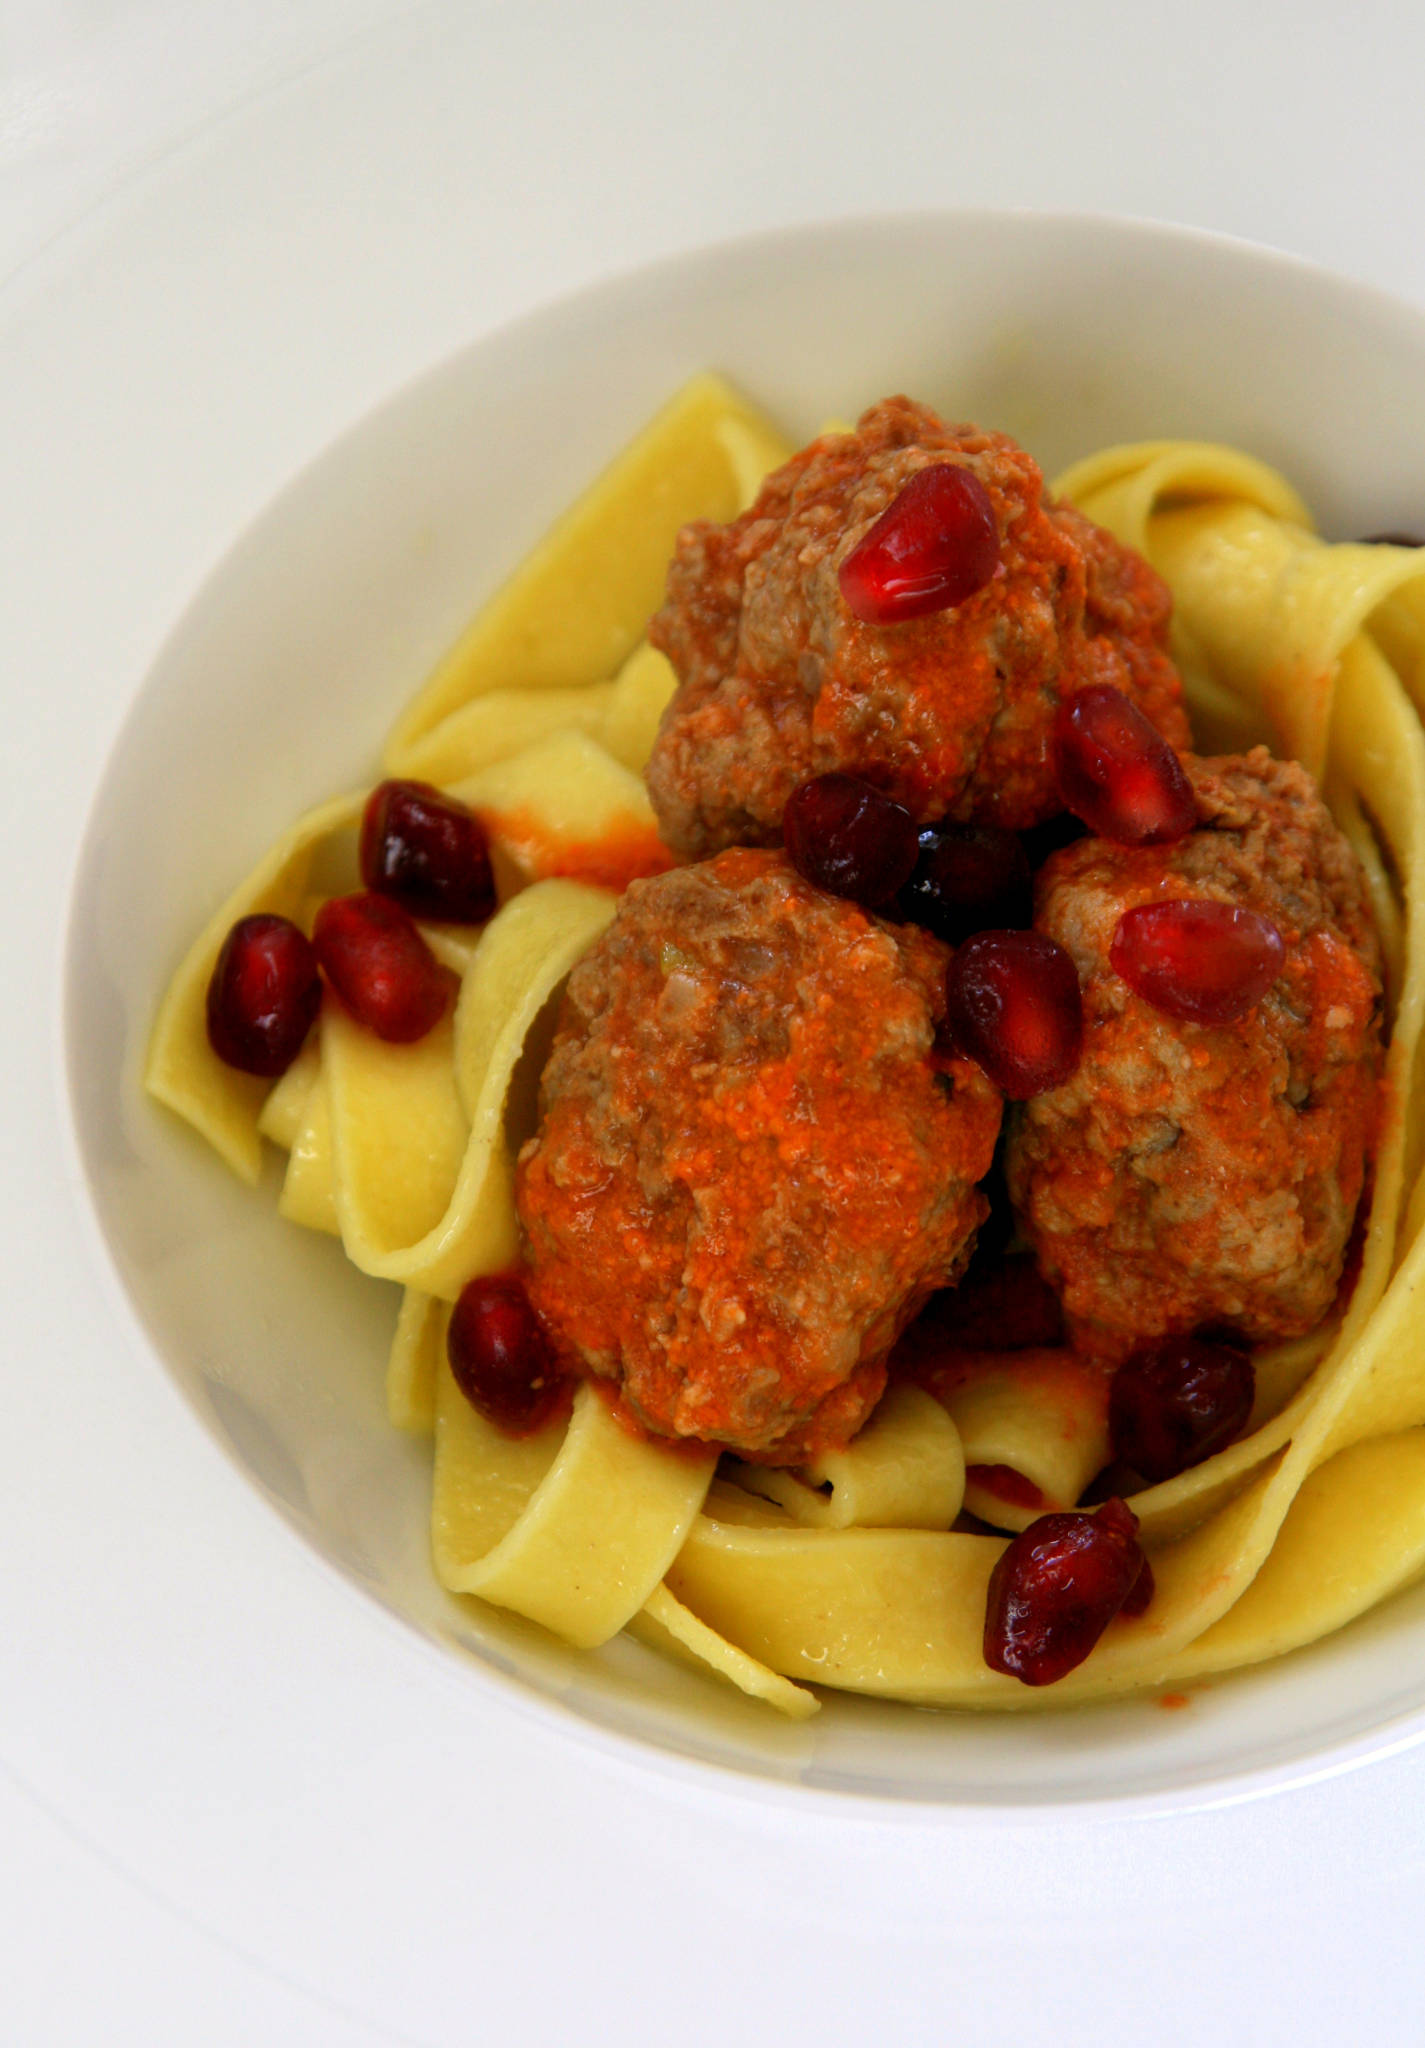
x,y
277,685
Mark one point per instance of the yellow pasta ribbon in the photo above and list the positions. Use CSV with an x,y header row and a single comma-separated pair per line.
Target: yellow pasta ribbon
x,y
423,1170
182,1069
605,1518
905,1470
577,606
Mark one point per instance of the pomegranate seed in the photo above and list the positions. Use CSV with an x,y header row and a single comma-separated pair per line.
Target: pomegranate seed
x,y
850,839
1117,772
500,1357
263,996
1013,1006
1056,1588
1174,1403
966,879
381,967
1206,962
935,544
428,852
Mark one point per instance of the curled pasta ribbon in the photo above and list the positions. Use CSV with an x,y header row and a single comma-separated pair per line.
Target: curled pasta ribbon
x,y
1040,1414
497,1494
905,1470
182,1070
590,1541
422,1165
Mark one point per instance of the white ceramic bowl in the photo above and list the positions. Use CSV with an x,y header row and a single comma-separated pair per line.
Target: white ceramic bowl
x,y
277,684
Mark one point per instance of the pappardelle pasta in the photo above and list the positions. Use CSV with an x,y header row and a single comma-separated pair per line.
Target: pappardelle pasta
x,y
820,1477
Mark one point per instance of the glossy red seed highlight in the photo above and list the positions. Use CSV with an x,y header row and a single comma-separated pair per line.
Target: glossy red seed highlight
x,y
381,967
1056,1588
501,1359
849,838
263,995
1013,1006
1206,962
935,544
1117,772
1176,1402
428,852
968,878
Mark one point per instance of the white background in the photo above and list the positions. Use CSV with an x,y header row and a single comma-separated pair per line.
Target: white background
x,y
279,1884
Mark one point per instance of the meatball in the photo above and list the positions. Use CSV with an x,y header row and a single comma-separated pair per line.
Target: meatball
x,y
1190,1174
780,681
753,1163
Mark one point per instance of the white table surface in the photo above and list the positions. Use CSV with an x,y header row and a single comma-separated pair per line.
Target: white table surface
x,y
257,1890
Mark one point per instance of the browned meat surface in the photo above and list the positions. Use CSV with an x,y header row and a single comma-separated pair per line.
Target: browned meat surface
x,y
1192,1174
779,681
752,1165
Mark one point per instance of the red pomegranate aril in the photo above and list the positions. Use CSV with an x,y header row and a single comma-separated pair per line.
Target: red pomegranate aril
x,y
263,995
428,852
1117,772
849,838
501,1359
1013,1006
1056,1588
935,544
1202,961
968,878
381,967
1176,1402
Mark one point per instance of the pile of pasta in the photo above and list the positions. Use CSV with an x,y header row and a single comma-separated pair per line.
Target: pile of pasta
x,y
848,1574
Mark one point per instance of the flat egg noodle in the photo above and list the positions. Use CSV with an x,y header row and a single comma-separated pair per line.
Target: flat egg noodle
x,y
555,805
492,727
436,1237
622,716
578,605
182,1069
905,1470
484,1484
1354,1534
1044,1414
665,1625
308,1196
590,1542
399,1136
284,1112
417,1347
642,691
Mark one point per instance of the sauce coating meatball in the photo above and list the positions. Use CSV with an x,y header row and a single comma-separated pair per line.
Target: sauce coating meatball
x,y
779,680
1192,1174
753,1164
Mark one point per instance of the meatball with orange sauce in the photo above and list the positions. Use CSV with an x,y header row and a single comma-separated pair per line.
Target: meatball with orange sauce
x,y
1193,1174
950,713
753,1163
